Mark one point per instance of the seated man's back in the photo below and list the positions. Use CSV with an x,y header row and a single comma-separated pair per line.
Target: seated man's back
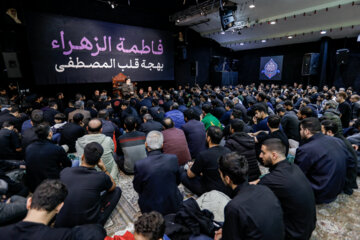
x,y
86,186
150,124
83,202
28,137
195,133
94,135
72,131
156,178
10,145
175,142
241,142
131,146
44,159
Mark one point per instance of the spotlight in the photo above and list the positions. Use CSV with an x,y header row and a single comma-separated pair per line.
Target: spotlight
x,y
263,41
290,37
242,44
273,22
112,4
323,32
178,20
252,6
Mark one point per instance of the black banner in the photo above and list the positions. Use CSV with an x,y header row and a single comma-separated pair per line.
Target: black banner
x,y
73,50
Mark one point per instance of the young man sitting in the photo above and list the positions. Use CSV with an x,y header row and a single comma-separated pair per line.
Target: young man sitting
x,y
86,203
44,204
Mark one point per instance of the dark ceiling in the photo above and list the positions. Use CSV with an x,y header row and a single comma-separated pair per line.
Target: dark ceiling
x,y
144,13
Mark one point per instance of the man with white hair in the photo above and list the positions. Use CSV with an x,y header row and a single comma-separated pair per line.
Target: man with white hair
x,y
79,108
156,178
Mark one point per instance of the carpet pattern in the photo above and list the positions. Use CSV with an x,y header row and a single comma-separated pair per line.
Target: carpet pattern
x,y
337,220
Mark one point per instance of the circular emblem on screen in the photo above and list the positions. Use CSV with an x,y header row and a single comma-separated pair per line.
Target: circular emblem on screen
x,y
270,69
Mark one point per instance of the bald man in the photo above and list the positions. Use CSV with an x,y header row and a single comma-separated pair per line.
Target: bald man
x,y
175,142
94,129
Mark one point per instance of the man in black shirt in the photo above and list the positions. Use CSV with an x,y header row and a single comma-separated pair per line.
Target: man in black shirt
x,y
43,158
203,175
85,204
29,135
12,116
275,132
292,188
344,108
150,125
44,204
10,145
254,212
289,123
241,142
50,112
72,131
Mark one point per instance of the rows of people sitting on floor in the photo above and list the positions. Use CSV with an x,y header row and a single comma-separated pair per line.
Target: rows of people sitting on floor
x,y
60,161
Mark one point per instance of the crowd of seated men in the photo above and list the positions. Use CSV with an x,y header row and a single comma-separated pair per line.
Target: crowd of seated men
x,y
60,161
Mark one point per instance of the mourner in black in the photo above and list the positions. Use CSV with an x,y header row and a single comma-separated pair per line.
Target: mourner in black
x,y
292,188
254,212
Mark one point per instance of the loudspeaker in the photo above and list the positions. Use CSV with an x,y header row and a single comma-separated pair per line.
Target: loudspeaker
x,y
12,64
194,69
310,64
342,56
227,18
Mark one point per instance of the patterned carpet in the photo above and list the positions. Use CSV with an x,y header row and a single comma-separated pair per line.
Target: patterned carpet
x,y
337,220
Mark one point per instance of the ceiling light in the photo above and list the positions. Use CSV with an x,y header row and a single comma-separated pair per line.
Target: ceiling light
x,y
290,37
222,32
242,44
323,32
273,22
263,41
252,6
